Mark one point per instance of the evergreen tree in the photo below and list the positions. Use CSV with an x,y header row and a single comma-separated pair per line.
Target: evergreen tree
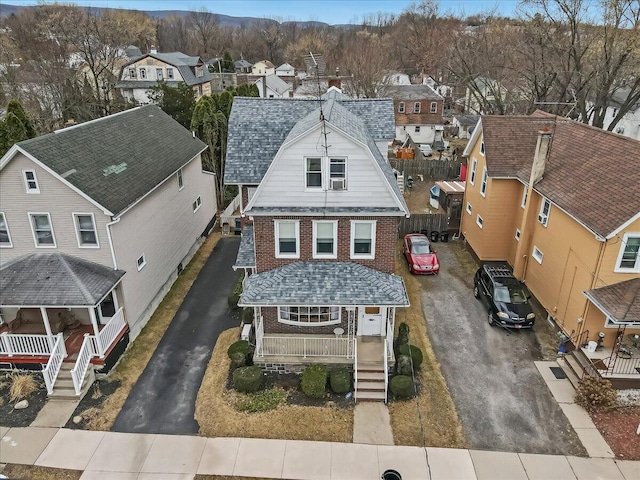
x,y
178,102
15,107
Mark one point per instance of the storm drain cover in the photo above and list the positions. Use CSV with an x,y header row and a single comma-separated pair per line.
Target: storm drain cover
x,y
558,372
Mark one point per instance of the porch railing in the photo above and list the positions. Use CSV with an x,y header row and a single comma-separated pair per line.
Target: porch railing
x,y
87,350
259,334
389,341
355,371
52,368
22,344
386,372
306,346
110,332
624,366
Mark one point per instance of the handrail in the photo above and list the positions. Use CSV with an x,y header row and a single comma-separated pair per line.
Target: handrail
x,y
24,344
386,372
355,371
110,332
51,370
259,335
87,350
582,339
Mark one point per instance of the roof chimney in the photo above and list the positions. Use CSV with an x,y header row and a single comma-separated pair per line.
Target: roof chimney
x,y
540,157
153,49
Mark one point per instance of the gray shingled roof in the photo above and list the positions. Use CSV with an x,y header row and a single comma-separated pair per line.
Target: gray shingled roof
x,y
413,92
275,83
259,126
118,159
246,253
324,283
55,279
182,62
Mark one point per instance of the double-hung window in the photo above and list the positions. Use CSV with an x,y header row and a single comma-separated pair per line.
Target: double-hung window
x,y
313,172
143,73
472,175
325,235
30,181
180,179
132,73
434,107
5,237
338,174
159,74
169,72
416,107
85,230
42,230
309,315
629,256
287,235
525,192
363,239
401,107
543,216
483,184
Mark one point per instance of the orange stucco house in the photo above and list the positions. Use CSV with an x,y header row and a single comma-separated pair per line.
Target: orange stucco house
x,y
560,202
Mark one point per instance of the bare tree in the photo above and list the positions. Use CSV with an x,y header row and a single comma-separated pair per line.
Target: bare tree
x,y
173,34
205,27
365,59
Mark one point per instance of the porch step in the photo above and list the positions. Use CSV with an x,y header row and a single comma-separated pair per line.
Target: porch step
x,y
569,366
369,396
370,375
63,388
370,386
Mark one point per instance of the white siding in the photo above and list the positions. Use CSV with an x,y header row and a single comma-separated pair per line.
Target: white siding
x,y
427,133
164,228
284,184
59,201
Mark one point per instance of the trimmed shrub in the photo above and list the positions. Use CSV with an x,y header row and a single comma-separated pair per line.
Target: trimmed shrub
x,y
403,365
238,359
239,346
247,315
595,393
247,379
235,295
314,381
340,380
414,352
403,335
401,386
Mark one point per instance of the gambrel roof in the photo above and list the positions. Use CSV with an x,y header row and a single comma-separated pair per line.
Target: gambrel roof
x,y
115,160
179,60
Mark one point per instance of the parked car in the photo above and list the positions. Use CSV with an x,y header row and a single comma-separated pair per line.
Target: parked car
x,y
426,149
506,299
421,257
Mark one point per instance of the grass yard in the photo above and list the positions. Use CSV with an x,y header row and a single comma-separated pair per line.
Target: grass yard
x,y
32,472
141,349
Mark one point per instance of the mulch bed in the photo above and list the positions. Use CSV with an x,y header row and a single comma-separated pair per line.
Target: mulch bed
x,y
95,397
9,417
618,427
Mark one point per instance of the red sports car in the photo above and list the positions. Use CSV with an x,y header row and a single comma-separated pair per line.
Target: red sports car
x,y
420,256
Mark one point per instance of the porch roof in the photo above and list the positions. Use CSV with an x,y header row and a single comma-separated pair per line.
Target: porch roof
x,y
324,283
246,253
620,301
55,279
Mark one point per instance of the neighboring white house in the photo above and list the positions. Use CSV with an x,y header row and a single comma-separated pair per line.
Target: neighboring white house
x,y
96,222
629,124
263,67
464,124
147,71
285,70
397,78
274,87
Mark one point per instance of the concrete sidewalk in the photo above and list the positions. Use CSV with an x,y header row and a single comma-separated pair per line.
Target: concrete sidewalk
x,y
130,456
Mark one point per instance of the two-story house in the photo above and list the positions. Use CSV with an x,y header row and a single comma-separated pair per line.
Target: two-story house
x,y
560,202
140,74
96,222
418,112
263,67
321,207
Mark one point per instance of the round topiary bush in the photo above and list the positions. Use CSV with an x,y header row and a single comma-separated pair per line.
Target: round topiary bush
x,y
243,347
340,380
403,365
401,386
595,393
238,359
247,379
414,352
314,381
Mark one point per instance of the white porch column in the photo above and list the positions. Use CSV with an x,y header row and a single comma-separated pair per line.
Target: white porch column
x,y
47,326
116,305
96,331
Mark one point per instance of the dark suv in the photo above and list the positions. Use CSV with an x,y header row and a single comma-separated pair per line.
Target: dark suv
x,y
505,297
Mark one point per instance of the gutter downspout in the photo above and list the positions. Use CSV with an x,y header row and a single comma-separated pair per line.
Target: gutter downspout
x,y
596,274
113,251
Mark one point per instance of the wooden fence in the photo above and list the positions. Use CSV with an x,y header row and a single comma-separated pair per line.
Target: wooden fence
x,y
431,169
423,223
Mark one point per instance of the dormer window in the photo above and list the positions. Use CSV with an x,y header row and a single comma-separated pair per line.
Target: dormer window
x,y
199,72
313,172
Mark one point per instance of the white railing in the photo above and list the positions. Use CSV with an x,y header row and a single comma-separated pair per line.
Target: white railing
x,y
227,215
259,335
389,341
21,344
386,370
306,346
110,332
355,372
87,350
51,370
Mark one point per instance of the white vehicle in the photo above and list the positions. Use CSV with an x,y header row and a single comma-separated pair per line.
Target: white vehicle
x,y
426,150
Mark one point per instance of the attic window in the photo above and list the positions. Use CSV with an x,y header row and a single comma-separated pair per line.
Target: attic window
x,y
143,73
199,72
169,72
30,181
132,73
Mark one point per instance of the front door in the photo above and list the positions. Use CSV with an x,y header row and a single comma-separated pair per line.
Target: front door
x,y
371,321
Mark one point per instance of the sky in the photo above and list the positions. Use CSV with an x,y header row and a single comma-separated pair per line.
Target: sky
x,y
328,11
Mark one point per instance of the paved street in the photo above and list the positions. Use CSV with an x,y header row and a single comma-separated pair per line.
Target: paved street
x,y
501,399
163,398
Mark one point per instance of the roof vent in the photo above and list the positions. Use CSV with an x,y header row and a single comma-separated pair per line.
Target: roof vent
x,y
114,169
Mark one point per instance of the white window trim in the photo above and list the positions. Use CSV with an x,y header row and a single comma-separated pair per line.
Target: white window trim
x,y
472,174
26,182
483,182
617,268
33,230
401,107
144,262
74,216
537,254
525,193
434,107
329,182
276,230
292,322
417,107
198,202
479,221
542,217
417,129
335,239
6,224
322,174
180,179
518,234
469,208
371,255
169,72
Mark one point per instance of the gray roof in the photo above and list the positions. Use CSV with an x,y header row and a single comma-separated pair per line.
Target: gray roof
x,y
183,63
467,120
242,63
412,92
275,83
55,279
246,253
324,283
132,52
118,159
259,126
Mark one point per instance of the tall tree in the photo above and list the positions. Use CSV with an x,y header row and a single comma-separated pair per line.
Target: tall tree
x,y
178,102
14,127
367,62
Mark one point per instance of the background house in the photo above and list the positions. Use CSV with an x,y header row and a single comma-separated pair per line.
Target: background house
x,y
629,124
286,72
418,112
272,86
263,67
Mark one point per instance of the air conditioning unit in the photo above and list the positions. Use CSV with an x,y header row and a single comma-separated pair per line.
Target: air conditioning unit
x,y
246,333
338,184
542,218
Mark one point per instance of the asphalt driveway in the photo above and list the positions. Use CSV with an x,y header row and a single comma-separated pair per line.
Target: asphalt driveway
x,y
163,399
501,399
